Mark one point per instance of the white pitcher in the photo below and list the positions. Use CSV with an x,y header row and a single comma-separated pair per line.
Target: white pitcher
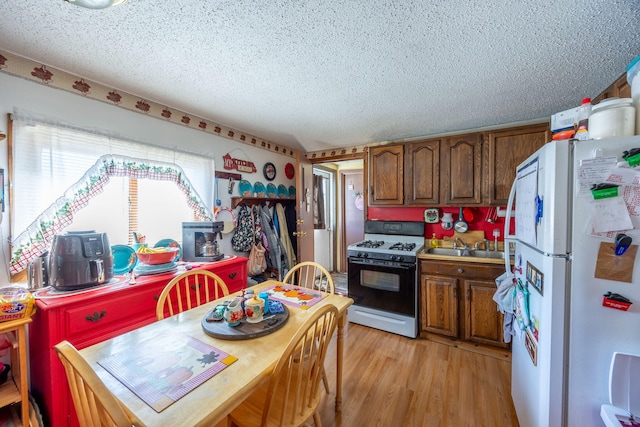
x,y
447,221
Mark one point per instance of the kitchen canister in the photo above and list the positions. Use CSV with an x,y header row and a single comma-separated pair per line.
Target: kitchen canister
x,y
633,78
612,117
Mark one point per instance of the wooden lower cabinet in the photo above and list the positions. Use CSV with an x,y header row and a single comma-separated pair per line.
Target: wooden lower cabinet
x,y
87,318
456,300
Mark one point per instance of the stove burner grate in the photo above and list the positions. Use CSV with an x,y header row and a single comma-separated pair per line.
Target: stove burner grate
x,y
370,244
402,246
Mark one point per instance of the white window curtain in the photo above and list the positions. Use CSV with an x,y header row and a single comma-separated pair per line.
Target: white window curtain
x,y
57,168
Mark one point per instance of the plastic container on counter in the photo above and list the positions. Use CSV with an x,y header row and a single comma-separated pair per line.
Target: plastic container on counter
x,y
582,132
633,78
612,117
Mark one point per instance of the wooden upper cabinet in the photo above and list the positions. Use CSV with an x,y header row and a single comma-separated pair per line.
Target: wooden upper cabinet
x,y
386,171
461,160
618,89
422,172
505,150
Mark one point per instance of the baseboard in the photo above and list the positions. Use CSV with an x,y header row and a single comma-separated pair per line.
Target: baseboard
x,y
498,353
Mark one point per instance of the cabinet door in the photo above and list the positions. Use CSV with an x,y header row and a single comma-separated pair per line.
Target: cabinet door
x,y
461,169
483,324
422,173
439,304
506,150
622,88
386,175
619,89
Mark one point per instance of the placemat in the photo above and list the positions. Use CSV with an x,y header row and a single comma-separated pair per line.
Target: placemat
x,y
161,371
295,296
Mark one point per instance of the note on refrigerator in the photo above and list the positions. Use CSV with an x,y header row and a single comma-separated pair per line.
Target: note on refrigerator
x,y
609,214
527,191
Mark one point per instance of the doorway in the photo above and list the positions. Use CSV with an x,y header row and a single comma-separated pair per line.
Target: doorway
x,y
345,215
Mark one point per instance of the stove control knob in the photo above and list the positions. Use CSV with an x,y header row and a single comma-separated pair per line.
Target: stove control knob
x,y
396,257
365,255
359,255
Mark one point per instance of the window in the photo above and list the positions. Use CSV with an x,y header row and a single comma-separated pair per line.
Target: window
x,y
65,178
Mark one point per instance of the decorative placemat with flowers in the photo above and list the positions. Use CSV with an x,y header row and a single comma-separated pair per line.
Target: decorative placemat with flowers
x,y
295,296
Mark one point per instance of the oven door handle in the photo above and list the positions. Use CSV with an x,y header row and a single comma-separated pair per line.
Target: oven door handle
x,y
392,264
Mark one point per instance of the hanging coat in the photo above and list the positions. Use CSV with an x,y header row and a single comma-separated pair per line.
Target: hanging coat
x,y
284,235
277,257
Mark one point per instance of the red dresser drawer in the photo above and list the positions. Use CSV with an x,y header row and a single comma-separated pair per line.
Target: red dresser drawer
x,y
110,314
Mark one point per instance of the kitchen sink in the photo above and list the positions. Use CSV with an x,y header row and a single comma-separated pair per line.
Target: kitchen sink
x,y
448,251
488,254
465,253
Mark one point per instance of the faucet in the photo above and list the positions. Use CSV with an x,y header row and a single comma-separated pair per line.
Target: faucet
x,y
486,243
459,240
465,248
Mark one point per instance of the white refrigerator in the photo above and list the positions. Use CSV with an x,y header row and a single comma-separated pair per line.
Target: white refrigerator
x,y
560,362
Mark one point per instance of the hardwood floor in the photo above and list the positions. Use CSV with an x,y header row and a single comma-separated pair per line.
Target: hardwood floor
x,y
392,381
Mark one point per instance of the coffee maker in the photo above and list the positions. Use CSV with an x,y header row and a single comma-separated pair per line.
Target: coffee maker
x,y
200,241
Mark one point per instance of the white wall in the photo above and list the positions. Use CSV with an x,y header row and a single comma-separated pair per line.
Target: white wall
x,y
32,97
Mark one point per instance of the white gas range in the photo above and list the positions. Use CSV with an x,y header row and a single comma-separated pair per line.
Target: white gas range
x,y
382,276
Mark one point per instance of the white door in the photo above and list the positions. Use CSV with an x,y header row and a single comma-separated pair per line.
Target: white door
x,y
304,200
324,234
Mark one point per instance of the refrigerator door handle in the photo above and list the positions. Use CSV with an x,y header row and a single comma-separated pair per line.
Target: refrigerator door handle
x,y
507,228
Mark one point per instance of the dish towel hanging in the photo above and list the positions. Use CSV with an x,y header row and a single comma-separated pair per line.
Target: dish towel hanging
x,y
504,297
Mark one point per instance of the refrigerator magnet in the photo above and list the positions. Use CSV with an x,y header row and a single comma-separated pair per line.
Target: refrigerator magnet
x,y
535,278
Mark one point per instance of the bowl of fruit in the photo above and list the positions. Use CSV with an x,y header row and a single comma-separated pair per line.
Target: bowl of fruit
x,y
155,256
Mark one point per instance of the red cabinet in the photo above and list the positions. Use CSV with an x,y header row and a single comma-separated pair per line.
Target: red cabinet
x,y
93,316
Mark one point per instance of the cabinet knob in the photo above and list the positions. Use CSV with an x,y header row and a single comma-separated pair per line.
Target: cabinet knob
x,y
95,317
233,275
460,270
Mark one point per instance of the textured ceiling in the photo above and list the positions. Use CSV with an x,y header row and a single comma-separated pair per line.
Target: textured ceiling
x,y
313,75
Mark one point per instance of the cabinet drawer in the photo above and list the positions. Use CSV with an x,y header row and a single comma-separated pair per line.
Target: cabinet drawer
x,y
460,269
104,316
234,277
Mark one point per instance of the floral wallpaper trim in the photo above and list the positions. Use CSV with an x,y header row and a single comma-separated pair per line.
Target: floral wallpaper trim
x,y
52,77
38,237
336,152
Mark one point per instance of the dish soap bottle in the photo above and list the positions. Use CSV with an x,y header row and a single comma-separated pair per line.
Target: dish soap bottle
x,y
434,241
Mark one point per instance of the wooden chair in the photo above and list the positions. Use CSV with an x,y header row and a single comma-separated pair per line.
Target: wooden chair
x,y
94,403
293,393
188,290
310,275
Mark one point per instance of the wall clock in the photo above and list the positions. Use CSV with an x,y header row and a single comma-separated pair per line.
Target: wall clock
x,y
269,171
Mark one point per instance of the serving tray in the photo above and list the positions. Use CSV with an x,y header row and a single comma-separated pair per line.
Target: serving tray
x,y
245,330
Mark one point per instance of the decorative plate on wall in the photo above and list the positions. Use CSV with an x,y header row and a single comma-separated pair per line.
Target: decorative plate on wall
x,y
283,193
272,191
269,171
259,189
289,170
292,192
245,188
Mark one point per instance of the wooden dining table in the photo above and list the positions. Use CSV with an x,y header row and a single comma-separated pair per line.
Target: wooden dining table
x,y
211,401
